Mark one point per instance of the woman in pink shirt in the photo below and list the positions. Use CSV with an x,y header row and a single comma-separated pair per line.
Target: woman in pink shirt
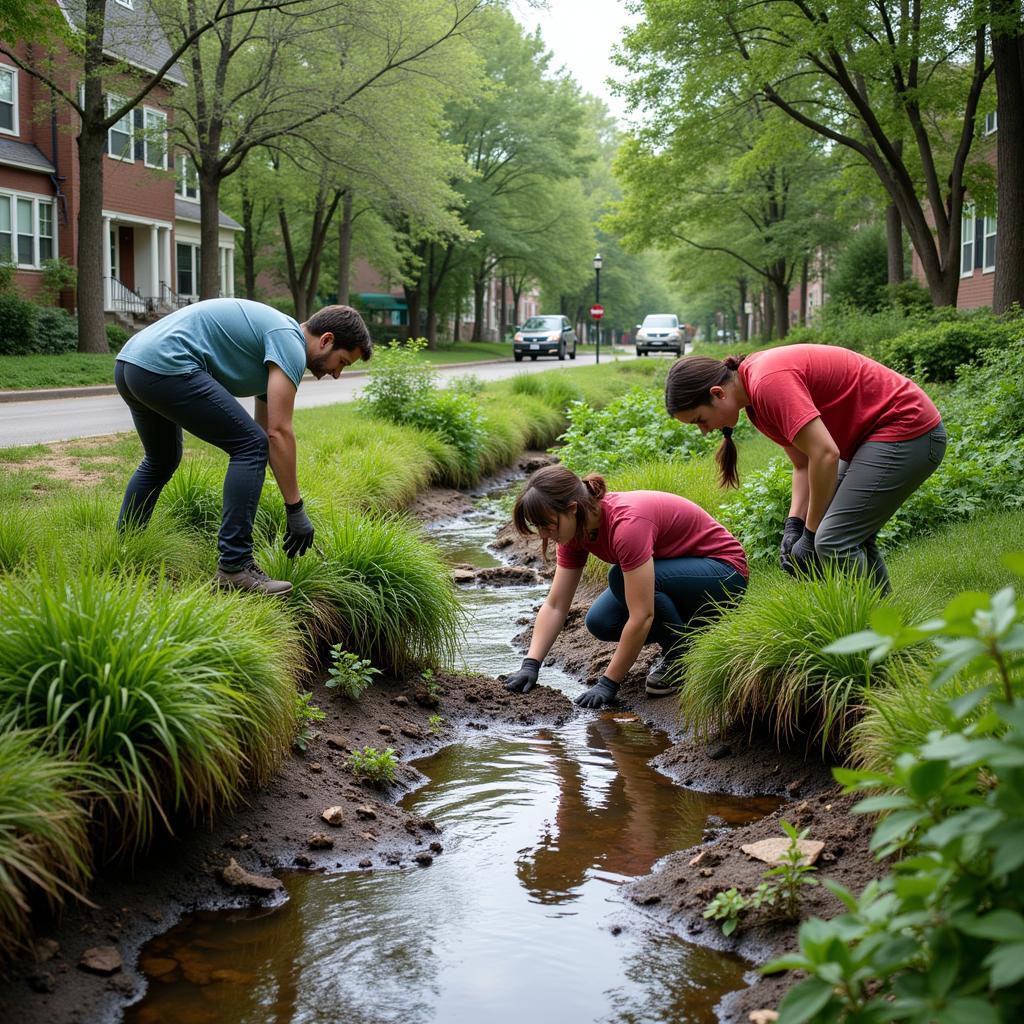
x,y
672,565
861,437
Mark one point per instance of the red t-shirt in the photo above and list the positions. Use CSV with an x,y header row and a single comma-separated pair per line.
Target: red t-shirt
x,y
857,399
639,525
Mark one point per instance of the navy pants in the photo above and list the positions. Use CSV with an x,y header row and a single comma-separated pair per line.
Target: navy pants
x,y
161,406
686,591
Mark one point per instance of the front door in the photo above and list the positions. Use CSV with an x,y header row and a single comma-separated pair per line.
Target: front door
x,y
126,255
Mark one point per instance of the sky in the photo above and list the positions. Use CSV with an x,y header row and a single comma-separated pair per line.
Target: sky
x,y
581,34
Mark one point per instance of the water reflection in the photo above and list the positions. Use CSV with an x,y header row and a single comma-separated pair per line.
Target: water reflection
x,y
512,922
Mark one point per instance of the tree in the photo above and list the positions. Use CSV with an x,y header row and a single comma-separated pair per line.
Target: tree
x,y
897,83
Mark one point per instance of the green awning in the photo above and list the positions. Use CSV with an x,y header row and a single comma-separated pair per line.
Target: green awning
x,y
379,300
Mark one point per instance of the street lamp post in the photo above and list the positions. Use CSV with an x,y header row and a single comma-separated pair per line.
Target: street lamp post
x,y
597,301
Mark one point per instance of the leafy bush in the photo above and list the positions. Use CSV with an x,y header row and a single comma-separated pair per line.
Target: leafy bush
x,y
941,936
630,429
377,766
348,673
117,336
56,331
58,276
861,271
44,849
758,512
17,325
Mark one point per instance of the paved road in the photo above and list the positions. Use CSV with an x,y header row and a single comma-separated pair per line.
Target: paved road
x,y
66,418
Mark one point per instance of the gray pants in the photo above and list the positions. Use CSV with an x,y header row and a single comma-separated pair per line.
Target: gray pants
x,y
871,487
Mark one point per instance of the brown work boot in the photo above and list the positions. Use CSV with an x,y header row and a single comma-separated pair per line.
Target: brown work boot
x,y
251,577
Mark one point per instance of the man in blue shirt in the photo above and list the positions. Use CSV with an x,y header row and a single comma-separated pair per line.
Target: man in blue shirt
x,y
185,371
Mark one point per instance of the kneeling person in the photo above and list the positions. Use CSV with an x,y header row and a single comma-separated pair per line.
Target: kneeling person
x,y
672,566
185,372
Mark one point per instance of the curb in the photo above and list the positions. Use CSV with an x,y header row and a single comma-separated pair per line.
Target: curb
x,y
99,390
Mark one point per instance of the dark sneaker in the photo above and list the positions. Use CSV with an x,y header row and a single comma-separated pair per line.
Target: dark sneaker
x,y
251,577
658,684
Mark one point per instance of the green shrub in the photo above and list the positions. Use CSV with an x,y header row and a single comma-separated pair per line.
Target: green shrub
x,y
58,276
117,336
763,662
172,700
306,712
349,674
44,849
56,331
17,325
861,270
377,766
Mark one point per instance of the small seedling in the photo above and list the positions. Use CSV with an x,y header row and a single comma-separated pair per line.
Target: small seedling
x,y
431,685
434,723
781,894
349,674
373,765
305,712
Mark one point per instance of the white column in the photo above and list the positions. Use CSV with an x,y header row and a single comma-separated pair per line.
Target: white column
x,y
230,256
154,263
107,269
168,272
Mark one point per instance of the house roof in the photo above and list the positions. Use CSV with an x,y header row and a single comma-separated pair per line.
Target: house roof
x,y
24,154
131,34
185,209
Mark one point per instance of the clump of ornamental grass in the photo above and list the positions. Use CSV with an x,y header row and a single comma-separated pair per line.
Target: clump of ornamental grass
x,y
194,496
172,700
504,437
555,390
417,617
763,664
538,422
44,848
17,536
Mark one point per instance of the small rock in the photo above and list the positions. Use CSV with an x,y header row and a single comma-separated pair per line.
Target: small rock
x,y
334,816
41,982
368,837
414,732
316,767
242,842
319,841
366,863
303,861
401,701
367,812
385,730
615,929
393,858
235,875
706,872
436,848
424,859
336,742
762,1016
102,960
46,949
694,861
771,851
795,785
463,576
719,750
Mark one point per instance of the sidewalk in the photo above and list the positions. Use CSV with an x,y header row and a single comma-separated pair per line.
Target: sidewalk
x,y
96,390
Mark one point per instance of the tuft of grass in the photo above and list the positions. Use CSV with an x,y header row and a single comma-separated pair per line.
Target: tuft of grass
x,y
17,536
372,765
171,700
194,496
763,662
44,848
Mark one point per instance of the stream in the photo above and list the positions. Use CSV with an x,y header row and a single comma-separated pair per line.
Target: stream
x,y
520,920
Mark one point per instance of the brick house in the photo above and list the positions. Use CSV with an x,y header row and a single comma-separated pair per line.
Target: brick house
x,y
150,218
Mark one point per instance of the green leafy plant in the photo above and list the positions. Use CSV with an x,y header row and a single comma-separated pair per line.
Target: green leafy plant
x,y
349,674
377,766
58,276
306,712
940,936
434,723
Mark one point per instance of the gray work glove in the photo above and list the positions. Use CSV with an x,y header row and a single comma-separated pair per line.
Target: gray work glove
x,y
525,679
791,533
298,534
601,693
801,555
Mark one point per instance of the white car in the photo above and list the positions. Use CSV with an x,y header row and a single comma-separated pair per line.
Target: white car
x,y
660,332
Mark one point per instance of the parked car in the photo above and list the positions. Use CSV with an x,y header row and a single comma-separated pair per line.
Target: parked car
x,y
660,332
544,336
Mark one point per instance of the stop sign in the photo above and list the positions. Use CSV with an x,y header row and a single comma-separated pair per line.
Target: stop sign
x,y
596,312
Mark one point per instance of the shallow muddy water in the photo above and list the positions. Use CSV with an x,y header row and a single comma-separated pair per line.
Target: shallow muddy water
x,y
519,919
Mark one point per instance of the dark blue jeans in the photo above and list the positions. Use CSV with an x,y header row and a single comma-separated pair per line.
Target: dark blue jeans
x,y
161,406
686,591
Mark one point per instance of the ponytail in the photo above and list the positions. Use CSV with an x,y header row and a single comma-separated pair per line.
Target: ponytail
x,y
727,456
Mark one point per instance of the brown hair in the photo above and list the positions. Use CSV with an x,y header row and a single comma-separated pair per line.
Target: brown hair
x,y
689,385
549,492
349,330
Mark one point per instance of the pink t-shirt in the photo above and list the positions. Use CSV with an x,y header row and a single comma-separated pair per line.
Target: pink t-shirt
x,y
857,399
639,525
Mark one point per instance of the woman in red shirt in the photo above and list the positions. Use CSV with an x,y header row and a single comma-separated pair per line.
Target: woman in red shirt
x,y
861,437
672,564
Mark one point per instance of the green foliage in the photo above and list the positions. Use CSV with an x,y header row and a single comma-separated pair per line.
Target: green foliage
x,y
172,700
44,849
56,331
861,270
630,429
757,514
348,673
7,272
434,723
941,935
306,712
117,336
17,325
376,766
779,893
58,276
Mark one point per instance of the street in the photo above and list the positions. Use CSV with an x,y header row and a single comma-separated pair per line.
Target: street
x,y
62,419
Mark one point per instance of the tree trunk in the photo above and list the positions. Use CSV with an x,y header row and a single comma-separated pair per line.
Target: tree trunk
x,y
479,292
345,248
209,230
431,299
503,315
412,301
92,332
780,293
805,273
741,289
767,314
248,245
1008,52
894,243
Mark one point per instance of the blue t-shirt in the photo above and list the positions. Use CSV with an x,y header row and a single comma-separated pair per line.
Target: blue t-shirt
x,y
233,340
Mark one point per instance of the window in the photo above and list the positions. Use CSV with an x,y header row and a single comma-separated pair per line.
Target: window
x,y
120,135
188,269
8,100
155,138
967,242
991,123
188,180
26,230
989,256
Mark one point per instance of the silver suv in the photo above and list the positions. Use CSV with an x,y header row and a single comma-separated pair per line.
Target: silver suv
x,y
544,336
660,332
